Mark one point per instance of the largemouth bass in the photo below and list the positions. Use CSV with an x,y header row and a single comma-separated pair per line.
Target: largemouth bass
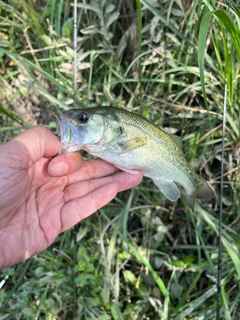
x,y
131,142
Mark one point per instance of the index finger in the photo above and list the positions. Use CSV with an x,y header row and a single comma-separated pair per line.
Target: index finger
x,y
92,169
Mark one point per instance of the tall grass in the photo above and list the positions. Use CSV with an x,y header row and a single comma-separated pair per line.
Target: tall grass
x,y
140,257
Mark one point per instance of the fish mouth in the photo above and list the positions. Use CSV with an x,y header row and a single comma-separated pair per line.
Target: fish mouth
x,y
68,134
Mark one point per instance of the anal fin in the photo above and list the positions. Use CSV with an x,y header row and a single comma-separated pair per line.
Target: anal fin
x,y
168,188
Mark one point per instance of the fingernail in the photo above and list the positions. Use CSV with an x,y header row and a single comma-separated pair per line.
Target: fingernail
x,y
58,169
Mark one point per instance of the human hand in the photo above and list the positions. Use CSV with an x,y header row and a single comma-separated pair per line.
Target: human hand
x,y
41,198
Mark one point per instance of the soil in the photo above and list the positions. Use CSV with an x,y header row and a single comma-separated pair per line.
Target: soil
x,y
31,106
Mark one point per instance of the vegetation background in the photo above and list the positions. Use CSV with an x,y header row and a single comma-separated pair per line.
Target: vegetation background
x,y
140,257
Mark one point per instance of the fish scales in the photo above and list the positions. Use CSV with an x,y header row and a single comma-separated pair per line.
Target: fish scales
x,y
142,128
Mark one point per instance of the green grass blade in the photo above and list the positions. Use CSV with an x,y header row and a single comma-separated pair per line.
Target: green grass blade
x,y
231,27
13,116
234,255
201,51
156,277
225,304
139,22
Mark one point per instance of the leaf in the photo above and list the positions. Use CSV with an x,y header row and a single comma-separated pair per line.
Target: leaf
x,y
112,18
177,12
13,116
234,126
46,39
154,274
115,311
233,254
110,8
94,6
4,43
201,50
231,27
90,30
129,277
224,20
176,290
83,277
67,27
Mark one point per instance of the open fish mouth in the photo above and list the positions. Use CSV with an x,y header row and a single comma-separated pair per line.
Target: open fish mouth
x,y
68,135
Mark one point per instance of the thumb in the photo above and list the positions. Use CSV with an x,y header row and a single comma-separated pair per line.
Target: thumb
x,y
38,142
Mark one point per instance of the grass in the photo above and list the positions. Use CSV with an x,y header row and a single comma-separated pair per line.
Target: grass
x,y
140,257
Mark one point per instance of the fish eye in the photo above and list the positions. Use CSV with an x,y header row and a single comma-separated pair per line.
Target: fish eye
x,y
82,117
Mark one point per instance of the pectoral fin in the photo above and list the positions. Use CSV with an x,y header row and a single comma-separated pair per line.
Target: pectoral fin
x,y
132,144
168,188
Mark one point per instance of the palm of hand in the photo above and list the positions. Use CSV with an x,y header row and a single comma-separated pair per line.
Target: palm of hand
x,y
38,202
31,221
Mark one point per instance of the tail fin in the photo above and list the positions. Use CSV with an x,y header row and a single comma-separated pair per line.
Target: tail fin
x,y
203,191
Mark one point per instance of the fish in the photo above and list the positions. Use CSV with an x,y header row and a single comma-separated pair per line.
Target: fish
x,y
131,142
